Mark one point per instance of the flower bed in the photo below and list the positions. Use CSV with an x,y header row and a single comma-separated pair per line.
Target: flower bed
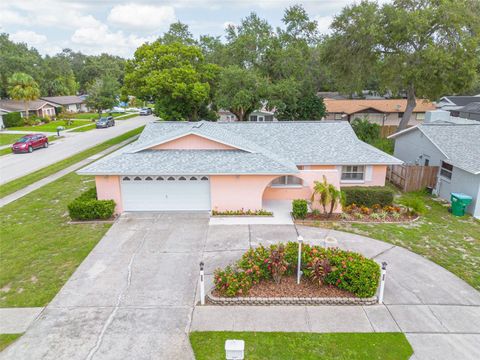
x,y
268,275
242,212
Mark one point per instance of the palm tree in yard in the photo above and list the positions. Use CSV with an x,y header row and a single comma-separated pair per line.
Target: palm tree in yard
x,y
24,88
327,194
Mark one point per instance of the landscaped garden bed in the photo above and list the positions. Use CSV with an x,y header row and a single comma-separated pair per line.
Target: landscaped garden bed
x,y
267,276
242,212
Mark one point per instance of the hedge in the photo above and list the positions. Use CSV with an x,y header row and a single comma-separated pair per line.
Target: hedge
x,y
12,119
87,207
368,196
299,208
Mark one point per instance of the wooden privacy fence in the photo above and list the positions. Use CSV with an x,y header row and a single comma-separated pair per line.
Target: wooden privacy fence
x,y
387,130
412,177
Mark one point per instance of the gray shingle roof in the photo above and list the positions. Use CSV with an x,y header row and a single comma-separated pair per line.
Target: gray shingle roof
x,y
264,148
459,143
472,108
64,100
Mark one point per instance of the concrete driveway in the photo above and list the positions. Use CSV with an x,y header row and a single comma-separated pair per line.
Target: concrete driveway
x,y
134,296
17,165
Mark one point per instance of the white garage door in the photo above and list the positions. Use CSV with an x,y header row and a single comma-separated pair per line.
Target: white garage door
x,y
164,193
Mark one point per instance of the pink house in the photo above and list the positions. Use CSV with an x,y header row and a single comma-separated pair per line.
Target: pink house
x,y
230,166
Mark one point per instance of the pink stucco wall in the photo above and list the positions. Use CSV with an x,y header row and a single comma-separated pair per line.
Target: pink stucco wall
x,y
379,173
249,191
108,188
192,142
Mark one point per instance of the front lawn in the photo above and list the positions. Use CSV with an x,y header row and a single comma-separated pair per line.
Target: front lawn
x,y
7,139
275,345
450,241
39,249
51,126
90,116
7,339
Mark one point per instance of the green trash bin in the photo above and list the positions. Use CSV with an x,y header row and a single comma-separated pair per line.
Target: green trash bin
x,y
459,203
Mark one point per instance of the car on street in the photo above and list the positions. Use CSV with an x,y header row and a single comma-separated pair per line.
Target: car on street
x,y
146,111
30,142
105,122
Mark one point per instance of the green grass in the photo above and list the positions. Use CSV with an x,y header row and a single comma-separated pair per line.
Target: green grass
x,y
7,139
305,346
51,126
7,339
40,250
451,242
89,116
85,128
26,180
129,116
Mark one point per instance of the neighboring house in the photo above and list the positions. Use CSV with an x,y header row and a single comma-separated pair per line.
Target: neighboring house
x,y
455,148
382,112
1,119
453,103
73,104
40,108
257,116
470,111
230,166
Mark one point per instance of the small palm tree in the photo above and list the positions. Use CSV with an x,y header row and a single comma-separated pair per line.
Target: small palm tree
x,y
23,87
327,194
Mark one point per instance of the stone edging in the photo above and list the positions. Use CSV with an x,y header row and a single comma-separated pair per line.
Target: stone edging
x,y
258,301
310,222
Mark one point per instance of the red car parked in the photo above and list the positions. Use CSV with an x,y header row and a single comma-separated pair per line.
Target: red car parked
x,y
30,142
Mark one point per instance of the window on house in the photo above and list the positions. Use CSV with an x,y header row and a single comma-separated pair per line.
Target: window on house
x,y
353,172
287,181
446,170
253,117
420,116
338,116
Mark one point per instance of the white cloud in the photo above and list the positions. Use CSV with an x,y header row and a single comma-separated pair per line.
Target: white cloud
x,y
146,17
29,37
12,17
97,39
324,23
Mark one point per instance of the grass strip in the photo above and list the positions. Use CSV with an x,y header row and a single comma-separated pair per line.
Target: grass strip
x,y
210,345
7,339
17,184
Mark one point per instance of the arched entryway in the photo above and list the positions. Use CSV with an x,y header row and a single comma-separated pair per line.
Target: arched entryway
x,y
279,193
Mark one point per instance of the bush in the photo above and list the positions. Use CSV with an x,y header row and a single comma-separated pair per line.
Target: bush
x,y
299,208
414,205
344,269
12,119
87,207
365,130
368,196
231,282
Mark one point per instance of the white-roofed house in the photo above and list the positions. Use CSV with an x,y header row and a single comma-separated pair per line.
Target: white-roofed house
x,y
234,165
455,148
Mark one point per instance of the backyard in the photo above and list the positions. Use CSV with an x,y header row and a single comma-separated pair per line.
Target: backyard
x,y
305,346
450,241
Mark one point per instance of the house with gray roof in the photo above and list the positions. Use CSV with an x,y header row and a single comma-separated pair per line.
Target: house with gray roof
x,y
70,103
470,111
455,102
40,108
455,148
234,165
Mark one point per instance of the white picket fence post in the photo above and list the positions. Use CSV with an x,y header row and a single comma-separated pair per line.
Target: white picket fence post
x,y
382,282
202,284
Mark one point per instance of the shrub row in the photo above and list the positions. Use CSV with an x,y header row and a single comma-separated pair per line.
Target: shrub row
x,y
88,207
368,196
12,119
346,270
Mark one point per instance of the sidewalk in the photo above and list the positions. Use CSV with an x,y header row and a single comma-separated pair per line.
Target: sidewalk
x,y
17,320
32,187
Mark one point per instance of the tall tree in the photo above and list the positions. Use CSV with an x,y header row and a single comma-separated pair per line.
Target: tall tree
x,y
58,76
425,48
241,91
175,76
102,94
17,57
24,88
178,32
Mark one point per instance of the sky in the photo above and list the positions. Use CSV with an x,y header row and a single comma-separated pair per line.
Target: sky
x,y
119,27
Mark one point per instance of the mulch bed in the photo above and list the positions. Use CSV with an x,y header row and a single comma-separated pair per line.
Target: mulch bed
x,y
337,217
289,288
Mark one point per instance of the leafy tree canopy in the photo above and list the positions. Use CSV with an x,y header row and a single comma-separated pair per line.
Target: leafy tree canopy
x,y
175,76
102,93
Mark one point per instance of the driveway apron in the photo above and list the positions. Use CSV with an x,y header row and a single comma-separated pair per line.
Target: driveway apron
x,y
132,297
